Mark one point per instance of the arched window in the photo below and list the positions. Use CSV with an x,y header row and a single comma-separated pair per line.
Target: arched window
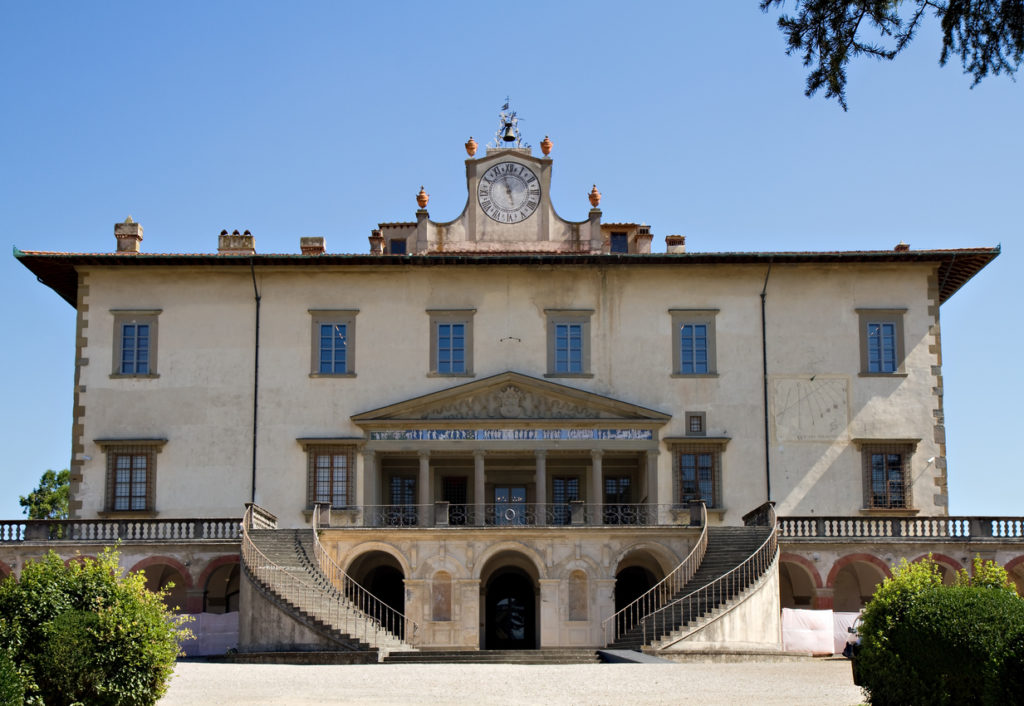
x,y
441,596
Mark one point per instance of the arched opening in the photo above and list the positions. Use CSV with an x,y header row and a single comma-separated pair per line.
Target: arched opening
x,y
511,610
637,573
796,587
381,574
509,597
220,594
854,584
1015,570
160,577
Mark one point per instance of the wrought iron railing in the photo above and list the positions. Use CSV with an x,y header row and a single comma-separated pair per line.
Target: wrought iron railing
x,y
141,530
950,528
380,613
444,514
299,590
662,592
726,587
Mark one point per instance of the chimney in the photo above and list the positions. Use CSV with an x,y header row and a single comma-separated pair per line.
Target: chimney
x,y
376,243
312,246
902,247
235,244
129,235
643,239
675,244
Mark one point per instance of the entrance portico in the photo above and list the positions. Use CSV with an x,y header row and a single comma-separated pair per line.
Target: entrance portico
x,y
509,449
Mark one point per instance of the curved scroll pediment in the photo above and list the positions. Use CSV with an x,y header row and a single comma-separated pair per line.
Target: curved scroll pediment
x,y
511,396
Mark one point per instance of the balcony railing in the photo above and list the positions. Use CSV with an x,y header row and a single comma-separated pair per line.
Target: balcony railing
x,y
903,528
444,514
142,530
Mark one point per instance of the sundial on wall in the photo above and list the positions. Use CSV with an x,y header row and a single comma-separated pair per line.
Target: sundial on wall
x,y
813,408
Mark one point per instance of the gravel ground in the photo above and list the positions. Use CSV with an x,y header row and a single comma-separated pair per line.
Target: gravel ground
x,y
819,681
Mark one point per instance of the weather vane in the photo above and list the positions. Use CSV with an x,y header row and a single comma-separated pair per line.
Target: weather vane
x,y
508,129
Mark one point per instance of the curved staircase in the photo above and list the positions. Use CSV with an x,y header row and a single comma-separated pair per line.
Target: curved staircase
x,y
729,561
283,566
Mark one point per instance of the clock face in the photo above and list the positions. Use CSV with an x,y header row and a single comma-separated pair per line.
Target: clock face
x,y
508,192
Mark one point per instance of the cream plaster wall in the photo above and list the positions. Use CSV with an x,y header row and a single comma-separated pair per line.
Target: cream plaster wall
x,y
202,400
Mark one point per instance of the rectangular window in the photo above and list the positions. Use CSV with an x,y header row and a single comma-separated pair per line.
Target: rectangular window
x,y
616,498
131,473
568,348
397,246
451,342
564,490
332,475
693,341
881,341
333,346
333,342
402,511
887,476
568,343
697,471
454,491
135,342
696,423
619,243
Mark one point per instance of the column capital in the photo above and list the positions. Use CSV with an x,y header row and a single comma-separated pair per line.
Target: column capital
x,y
368,453
423,453
596,453
479,453
540,453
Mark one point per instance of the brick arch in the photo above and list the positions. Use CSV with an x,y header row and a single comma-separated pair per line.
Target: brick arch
x,y
1013,563
797,559
852,559
167,561
948,561
215,564
6,571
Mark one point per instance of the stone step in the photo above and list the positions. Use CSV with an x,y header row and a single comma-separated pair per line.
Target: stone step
x,y
543,656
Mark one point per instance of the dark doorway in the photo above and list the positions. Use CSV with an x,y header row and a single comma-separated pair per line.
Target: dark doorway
x,y
631,583
511,611
379,574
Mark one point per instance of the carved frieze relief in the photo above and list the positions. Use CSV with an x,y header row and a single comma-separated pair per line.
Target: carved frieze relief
x,y
511,402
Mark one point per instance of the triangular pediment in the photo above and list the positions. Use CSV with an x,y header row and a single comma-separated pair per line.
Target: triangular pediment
x,y
512,396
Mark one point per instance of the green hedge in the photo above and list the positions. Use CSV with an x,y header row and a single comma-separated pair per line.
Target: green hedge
x,y
925,643
86,633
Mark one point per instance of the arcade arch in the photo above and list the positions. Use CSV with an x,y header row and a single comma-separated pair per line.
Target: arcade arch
x,y
509,599
166,573
853,580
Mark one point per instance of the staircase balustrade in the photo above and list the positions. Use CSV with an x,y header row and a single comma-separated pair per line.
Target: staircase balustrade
x,y
659,594
376,611
721,590
299,590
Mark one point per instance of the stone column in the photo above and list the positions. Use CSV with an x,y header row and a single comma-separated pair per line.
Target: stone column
x,y
596,486
478,487
423,486
367,484
541,481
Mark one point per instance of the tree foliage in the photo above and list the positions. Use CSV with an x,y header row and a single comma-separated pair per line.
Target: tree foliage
x,y
87,633
50,500
922,642
986,35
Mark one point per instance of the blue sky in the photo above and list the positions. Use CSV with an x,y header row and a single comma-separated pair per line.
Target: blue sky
x,y
325,118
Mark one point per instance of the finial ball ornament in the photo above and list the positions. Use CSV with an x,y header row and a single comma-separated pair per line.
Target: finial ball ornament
x,y
545,145
422,198
595,196
471,147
